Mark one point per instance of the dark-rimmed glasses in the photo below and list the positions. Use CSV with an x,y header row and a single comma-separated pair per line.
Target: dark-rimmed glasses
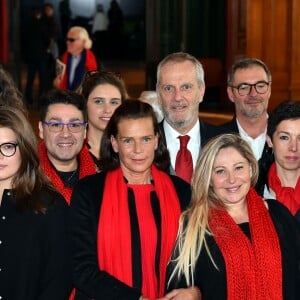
x,y
244,89
71,40
8,149
73,127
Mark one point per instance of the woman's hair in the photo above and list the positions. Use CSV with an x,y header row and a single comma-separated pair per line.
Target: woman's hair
x,y
9,93
29,179
179,57
194,221
131,109
287,110
94,78
246,63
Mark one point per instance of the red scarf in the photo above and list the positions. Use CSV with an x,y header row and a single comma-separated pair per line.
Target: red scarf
x,y
288,196
114,233
253,268
86,167
90,65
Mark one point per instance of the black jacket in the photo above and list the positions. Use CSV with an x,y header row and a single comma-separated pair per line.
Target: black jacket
x,y
90,282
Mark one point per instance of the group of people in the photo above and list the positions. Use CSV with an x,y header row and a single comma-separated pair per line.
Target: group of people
x,y
112,204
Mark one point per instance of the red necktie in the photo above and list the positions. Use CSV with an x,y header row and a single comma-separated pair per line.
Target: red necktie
x,y
184,161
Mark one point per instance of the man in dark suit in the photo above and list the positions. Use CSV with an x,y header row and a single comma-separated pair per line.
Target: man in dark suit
x,y
180,88
249,88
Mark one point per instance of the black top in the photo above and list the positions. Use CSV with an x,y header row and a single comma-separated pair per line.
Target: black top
x,y
212,282
90,282
34,256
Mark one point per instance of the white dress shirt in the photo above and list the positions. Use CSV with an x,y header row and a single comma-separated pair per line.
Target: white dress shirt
x,y
74,63
173,143
257,145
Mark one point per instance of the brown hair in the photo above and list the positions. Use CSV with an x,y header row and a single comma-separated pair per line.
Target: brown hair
x,y
29,180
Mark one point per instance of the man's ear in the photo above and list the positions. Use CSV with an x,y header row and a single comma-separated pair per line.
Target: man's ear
x,y
230,94
41,130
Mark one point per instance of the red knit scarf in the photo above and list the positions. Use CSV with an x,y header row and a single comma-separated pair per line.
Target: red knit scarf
x,y
288,196
114,233
86,167
253,268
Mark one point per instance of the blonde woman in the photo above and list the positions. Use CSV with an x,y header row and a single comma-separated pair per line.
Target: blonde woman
x,y
232,243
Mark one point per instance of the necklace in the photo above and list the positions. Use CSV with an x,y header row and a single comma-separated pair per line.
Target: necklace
x,y
72,175
69,178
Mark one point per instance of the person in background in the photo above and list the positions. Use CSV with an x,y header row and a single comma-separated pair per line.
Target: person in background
x,y
115,30
99,31
180,88
35,261
62,128
78,59
10,95
124,220
51,28
282,180
36,55
249,88
103,92
232,243
151,98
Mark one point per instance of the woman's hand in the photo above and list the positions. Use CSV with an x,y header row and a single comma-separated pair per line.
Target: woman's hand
x,y
190,293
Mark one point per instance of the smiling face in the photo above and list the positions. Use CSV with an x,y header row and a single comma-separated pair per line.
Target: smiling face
x,y
101,104
254,104
286,145
64,146
135,143
9,166
231,178
180,94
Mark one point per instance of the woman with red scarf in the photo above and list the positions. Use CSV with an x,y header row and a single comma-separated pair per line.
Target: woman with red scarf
x,y
283,181
124,220
232,243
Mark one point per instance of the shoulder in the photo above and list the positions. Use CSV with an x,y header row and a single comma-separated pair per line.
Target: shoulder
x,y
91,182
281,215
52,199
88,190
183,190
228,127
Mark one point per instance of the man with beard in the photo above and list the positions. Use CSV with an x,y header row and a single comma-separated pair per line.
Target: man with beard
x,y
180,88
249,88
62,127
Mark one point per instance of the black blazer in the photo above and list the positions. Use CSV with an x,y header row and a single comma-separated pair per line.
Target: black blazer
x,y
264,163
90,282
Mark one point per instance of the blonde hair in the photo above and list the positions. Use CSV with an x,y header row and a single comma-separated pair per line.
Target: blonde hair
x,y
83,34
194,225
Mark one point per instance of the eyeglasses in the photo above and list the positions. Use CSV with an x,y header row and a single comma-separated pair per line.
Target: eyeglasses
x,y
71,40
73,127
260,87
8,149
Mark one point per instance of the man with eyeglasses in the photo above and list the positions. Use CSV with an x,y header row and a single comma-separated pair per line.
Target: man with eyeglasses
x,y
249,88
78,59
62,127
